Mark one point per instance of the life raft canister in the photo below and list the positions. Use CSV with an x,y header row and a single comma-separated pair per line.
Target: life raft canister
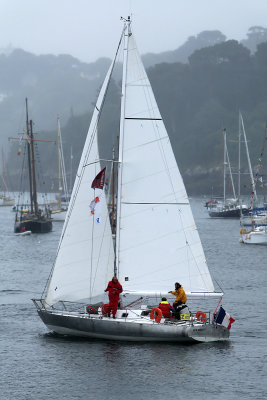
x,y
156,314
201,316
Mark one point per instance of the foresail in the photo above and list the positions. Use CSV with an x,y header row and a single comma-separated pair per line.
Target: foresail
x,y
158,240
85,258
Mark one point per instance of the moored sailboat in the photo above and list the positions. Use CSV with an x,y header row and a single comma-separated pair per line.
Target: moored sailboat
x,y
58,209
155,241
5,198
32,218
226,208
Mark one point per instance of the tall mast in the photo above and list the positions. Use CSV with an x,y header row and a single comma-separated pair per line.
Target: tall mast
x,y
71,160
127,33
29,155
4,173
239,154
113,191
224,163
34,192
59,165
248,158
230,171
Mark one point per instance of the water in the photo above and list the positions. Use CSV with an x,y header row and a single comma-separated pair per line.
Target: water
x,y
38,365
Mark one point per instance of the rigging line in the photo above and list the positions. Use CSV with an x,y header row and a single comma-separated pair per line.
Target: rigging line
x,y
99,160
106,225
174,204
143,119
92,250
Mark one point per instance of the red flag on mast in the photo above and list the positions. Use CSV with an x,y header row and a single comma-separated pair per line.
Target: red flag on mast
x,y
99,180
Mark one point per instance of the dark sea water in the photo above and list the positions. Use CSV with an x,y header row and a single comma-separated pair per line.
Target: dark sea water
x,y
38,365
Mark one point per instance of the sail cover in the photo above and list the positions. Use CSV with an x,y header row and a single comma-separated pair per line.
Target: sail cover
x,y
85,259
158,242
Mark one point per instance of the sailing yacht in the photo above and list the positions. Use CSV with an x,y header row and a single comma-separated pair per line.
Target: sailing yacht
x,y
155,243
227,208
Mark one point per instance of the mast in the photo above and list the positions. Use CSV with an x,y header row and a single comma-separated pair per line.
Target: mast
x,y
248,158
113,191
127,33
4,174
34,192
71,160
29,155
59,165
239,154
224,163
230,171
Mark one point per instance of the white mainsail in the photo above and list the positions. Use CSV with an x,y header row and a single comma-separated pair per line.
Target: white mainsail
x,y
158,240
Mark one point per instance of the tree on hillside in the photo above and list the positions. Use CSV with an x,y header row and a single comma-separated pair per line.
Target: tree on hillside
x,y
255,36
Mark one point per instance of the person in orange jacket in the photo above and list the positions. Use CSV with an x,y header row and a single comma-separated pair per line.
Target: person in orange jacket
x,y
114,290
166,308
180,295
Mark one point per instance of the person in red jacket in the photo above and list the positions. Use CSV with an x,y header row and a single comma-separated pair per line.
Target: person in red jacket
x,y
114,290
166,308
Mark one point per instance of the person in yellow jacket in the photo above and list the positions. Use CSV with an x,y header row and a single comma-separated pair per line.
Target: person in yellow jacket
x,y
180,295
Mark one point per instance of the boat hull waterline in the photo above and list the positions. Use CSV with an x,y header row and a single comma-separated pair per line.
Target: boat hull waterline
x,y
34,226
83,325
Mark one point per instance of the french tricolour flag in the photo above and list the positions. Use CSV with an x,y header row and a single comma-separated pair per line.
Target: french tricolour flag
x,y
225,319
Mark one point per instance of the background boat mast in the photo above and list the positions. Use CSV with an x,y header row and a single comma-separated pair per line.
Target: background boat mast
x,y
29,155
34,188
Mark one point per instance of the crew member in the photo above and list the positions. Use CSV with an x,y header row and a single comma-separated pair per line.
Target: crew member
x,y
166,308
180,295
114,290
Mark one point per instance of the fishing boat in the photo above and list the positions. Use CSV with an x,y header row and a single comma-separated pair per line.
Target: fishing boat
x,y
155,241
31,218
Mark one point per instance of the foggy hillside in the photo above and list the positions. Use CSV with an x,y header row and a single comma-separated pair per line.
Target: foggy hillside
x,y
197,98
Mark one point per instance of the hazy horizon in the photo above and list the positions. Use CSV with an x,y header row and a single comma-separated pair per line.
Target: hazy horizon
x,y
88,31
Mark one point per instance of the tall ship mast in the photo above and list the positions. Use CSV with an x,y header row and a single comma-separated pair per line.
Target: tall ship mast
x,y
33,218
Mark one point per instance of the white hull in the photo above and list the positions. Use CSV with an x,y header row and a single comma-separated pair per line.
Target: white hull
x,y
257,236
4,202
58,215
132,329
26,233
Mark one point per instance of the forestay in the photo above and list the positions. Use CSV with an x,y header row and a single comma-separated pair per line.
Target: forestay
x,y
158,240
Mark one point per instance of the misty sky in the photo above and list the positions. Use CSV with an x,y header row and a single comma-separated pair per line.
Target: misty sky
x,y
89,29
